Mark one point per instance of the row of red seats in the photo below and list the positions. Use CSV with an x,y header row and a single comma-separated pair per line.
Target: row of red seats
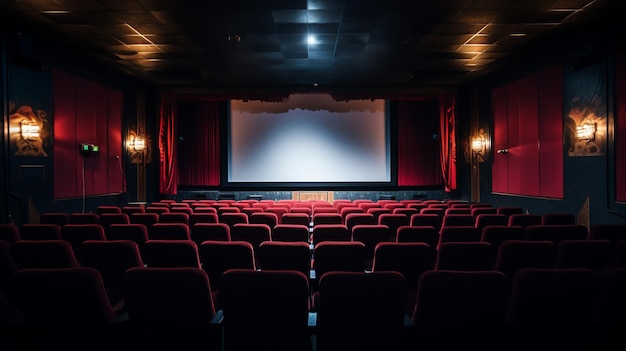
x,y
174,308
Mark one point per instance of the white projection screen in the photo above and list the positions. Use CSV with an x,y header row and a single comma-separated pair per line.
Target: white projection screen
x,y
310,138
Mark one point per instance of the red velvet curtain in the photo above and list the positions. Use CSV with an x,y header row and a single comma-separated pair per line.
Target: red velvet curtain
x,y
448,141
167,145
199,143
418,145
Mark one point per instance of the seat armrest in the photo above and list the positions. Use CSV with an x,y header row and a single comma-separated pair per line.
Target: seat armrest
x,y
218,319
312,319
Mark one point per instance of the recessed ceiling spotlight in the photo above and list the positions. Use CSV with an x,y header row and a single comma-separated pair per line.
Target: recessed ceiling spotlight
x,y
314,84
234,38
311,40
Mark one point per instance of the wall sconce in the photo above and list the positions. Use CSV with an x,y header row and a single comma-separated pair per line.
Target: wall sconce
x,y
138,144
29,130
586,132
139,147
479,147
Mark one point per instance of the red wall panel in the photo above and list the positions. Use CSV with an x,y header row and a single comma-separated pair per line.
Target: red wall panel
x,y
528,121
114,143
66,178
500,167
528,137
84,114
550,93
513,146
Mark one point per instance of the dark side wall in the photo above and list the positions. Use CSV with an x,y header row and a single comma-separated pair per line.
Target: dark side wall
x,y
27,178
589,181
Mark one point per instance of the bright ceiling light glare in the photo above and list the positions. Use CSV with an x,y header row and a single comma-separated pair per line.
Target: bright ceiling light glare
x,y
55,12
311,40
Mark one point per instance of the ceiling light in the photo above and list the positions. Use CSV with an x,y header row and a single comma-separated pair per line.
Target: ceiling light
x,y
311,40
234,38
56,12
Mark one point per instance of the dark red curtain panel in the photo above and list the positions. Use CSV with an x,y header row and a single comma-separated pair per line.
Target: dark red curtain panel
x,y
448,141
527,115
199,143
115,143
86,112
550,93
167,145
418,124
524,166
500,166
620,126
67,179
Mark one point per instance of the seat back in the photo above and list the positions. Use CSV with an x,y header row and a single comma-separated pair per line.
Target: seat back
x,y
281,297
145,218
496,234
170,253
330,232
66,297
170,309
280,255
296,218
459,234
43,254
84,218
40,232
487,219
509,210
524,219
291,232
75,234
111,258
267,218
591,254
9,232
169,231
552,301
326,218
556,232
353,219
393,222
58,218
611,232
370,235
138,233
361,311
424,234
232,218
409,259
219,256
457,220
174,217
514,255
461,299
558,218
347,256
465,256
108,218
7,265
202,217
426,219
255,234
202,232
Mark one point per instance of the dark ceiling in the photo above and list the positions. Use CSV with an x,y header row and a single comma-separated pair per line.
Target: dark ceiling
x,y
421,44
